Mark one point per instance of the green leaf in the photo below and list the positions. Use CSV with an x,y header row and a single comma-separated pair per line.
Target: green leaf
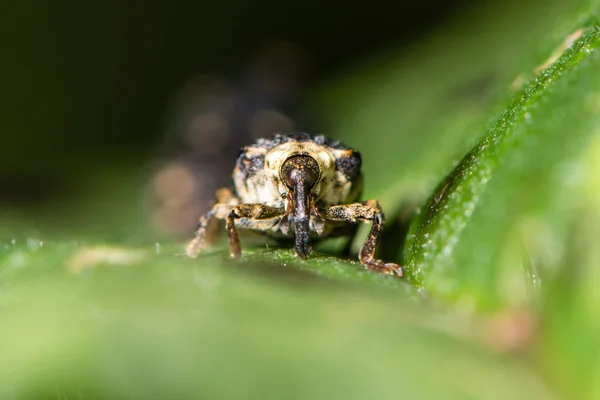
x,y
481,232
567,348
413,115
145,325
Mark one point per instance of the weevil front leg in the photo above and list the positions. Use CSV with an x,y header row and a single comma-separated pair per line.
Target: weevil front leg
x,y
368,211
253,213
226,200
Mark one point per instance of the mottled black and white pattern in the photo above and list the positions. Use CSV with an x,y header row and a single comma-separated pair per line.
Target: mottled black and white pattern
x,y
300,187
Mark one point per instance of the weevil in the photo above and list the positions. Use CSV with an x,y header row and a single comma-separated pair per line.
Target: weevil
x,y
299,187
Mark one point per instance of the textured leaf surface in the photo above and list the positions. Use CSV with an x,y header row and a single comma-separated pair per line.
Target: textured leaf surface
x,y
479,232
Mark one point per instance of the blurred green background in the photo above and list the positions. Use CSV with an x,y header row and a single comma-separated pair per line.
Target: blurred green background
x,y
478,123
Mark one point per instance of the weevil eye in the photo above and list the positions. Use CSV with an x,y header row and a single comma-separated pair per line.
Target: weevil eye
x,y
300,169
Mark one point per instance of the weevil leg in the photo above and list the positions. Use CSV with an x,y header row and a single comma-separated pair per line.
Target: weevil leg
x,y
226,200
368,211
253,212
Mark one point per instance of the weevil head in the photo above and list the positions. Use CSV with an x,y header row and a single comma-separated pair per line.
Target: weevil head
x,y
306,163
269,170
300,171
301,168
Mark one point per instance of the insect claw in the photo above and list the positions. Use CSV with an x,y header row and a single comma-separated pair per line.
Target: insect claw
x,y
394,269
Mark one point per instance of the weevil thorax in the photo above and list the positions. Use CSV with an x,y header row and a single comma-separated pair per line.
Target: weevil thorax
x,y
258,172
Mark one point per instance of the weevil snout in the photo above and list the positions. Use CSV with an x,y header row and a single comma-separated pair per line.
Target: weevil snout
x,y
300,173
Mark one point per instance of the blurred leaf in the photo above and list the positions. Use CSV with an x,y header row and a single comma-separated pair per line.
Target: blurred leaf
x,y
567,347
170,327
413,115
497,220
